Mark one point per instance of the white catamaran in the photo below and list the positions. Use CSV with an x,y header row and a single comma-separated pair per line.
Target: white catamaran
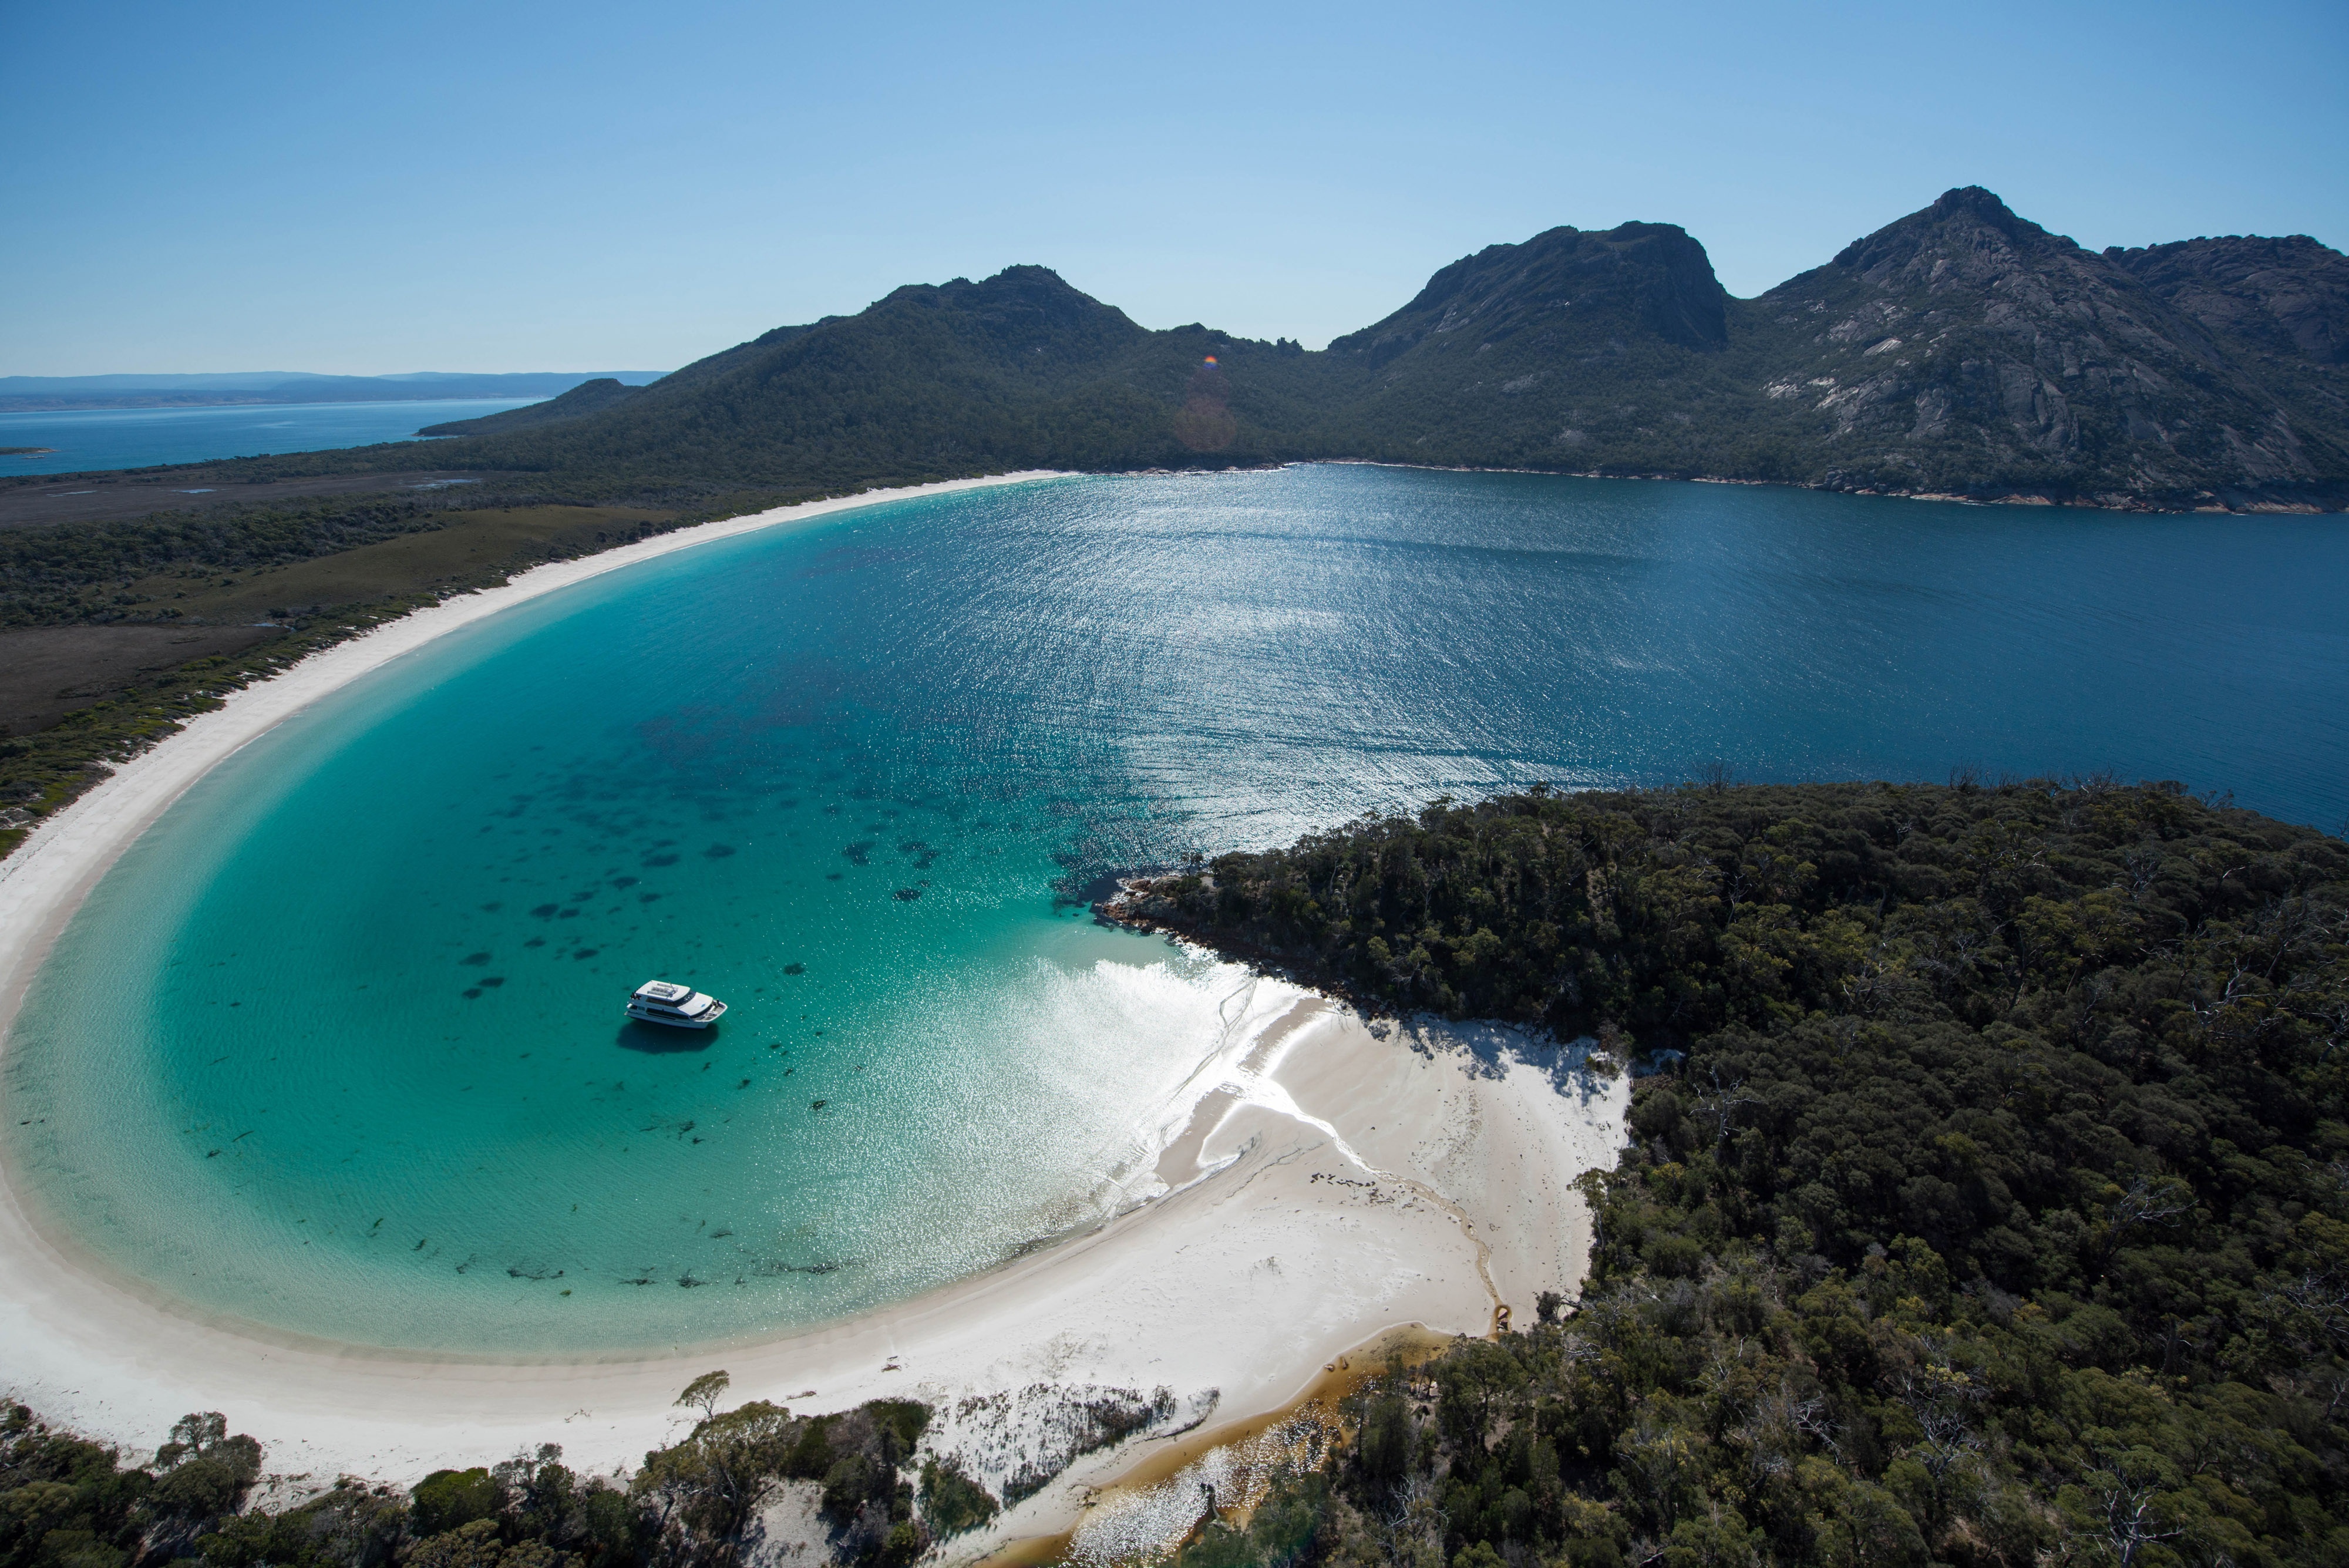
x,y
679,1006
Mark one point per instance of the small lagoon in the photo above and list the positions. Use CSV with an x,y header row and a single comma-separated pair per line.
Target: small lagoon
x,y
336,1048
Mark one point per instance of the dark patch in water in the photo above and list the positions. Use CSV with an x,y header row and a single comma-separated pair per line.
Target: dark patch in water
x,y
718,851
474,959
795,969
543,912
492,981
659,1040
571,914
624,883
586,952
660,860
906,895
471,992
535,942
648,898
856,853
818,1104
832,876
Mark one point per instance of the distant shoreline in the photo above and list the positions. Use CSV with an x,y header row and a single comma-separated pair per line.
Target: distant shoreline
x,y
165,403
2017,498
27,451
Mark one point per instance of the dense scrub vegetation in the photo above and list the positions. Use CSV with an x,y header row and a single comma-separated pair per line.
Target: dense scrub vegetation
x,y
76,572
1989,1195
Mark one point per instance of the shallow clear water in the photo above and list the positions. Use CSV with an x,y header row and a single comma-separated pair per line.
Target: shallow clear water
x,y
337,1047
138,438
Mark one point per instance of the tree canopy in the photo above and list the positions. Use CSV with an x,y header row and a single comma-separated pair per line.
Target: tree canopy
x,y
1988,1193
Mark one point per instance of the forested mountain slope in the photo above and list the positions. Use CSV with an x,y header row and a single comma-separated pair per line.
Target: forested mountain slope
x,y
1018,372
1573,350
587,397
1988,1201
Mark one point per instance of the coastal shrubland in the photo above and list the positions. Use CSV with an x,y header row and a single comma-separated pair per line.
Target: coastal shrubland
x,y
1988,1194
66,1502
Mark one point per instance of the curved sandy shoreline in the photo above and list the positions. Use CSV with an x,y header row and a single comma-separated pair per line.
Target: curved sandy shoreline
x,y
68,851
1335,1180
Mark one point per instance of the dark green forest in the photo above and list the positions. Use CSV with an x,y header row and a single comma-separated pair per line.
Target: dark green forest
x,y
1988,1199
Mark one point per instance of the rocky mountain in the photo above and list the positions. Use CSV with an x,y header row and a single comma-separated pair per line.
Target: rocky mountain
x,y
2281,306
1965,350
1570,351
1962,350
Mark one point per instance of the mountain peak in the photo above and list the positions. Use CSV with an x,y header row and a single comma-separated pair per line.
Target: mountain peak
x,y
1636,280
1974,202
1966,208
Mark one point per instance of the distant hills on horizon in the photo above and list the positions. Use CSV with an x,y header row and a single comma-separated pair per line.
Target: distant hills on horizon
x,y
1960,351
134,391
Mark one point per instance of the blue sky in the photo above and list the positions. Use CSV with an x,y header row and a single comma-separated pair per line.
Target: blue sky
x,y
496,186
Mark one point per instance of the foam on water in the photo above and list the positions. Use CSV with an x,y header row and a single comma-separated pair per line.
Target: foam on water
x,y
337,1047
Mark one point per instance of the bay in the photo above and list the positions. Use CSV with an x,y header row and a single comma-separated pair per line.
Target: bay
x,y
336,1048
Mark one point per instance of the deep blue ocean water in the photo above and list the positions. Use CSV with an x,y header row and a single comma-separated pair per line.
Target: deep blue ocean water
x,y
337,1047
137,438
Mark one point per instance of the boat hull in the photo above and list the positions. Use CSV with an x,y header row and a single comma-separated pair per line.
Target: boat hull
x,y
675,1020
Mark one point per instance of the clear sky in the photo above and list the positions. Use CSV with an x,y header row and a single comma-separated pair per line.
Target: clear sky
x,y
586,185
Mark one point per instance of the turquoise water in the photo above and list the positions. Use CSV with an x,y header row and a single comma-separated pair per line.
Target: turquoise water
x,y
336,1048
138,438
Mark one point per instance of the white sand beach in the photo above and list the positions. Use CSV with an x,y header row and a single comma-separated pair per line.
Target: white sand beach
x,y
1334,1179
